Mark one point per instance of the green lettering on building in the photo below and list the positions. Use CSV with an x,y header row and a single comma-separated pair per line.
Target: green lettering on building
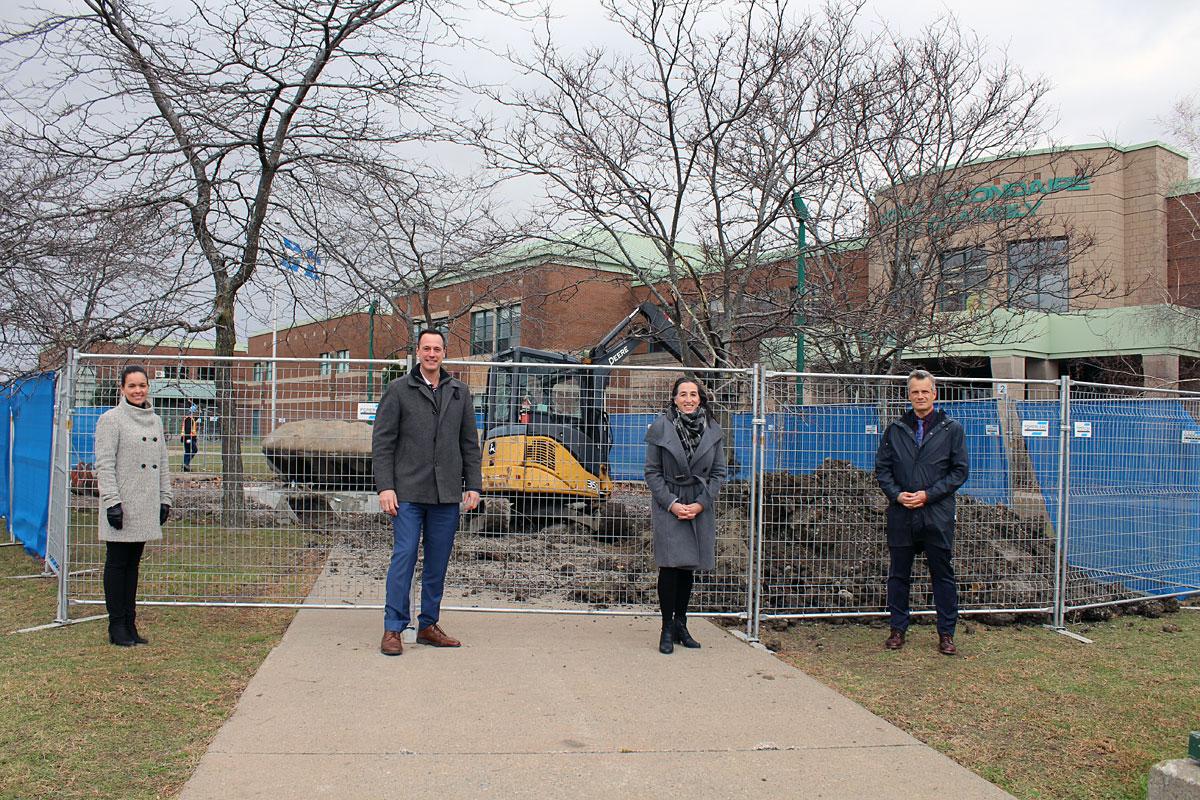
x,y
991,202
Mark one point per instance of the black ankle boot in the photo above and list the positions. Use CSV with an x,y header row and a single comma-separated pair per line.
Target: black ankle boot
x,y
680,635
664,640
118,634
133,632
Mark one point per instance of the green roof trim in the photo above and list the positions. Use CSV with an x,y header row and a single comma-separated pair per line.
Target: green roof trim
x,y
179,342
1129,330
1187,187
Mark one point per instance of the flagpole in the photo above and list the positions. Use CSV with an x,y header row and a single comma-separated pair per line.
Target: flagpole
x,y
274,353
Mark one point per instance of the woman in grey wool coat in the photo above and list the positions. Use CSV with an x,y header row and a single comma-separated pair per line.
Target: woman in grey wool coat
x,y
135,493
685,467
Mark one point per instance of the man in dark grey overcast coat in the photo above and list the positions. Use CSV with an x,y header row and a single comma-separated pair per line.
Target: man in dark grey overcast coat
x,y
920,464
426,460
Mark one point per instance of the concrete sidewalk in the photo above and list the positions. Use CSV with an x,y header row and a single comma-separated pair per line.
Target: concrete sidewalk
x,y
536,706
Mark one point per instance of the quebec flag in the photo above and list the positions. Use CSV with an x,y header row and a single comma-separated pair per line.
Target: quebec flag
x,y
297,259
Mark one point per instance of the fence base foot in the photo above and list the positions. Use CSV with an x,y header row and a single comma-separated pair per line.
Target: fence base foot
x,y
1069,634
62,624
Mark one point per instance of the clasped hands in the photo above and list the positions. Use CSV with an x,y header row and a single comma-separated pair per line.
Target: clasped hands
x,y
912,499
685,510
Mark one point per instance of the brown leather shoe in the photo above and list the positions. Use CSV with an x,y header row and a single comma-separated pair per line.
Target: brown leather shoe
x,y
946,645
896,640
434,635
392,644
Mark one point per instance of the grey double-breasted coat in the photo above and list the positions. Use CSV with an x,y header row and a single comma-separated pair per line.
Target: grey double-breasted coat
x,y
131,469
672,476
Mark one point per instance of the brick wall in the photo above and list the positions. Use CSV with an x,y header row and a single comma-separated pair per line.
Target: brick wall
x,y
1183,250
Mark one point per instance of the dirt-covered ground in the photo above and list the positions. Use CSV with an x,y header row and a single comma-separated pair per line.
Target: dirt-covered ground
x,y
824,550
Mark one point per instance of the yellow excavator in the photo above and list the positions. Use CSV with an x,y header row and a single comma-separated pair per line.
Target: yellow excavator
x,y
546,435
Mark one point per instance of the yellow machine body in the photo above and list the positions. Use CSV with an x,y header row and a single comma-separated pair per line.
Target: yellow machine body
x,y
538,466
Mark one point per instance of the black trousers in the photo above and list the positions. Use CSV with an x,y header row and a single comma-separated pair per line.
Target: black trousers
x,y
674,593
121,562
941,572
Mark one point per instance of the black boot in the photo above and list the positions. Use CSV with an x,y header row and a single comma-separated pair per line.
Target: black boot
x,y
680,635
133,631
664,640
118,634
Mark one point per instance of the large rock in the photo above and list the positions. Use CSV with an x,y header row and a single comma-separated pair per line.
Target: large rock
x,y
327,454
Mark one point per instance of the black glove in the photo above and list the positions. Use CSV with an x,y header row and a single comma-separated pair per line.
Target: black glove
x,y
116,517
164,511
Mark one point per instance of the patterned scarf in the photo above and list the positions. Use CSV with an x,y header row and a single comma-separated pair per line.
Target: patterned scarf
x,y
690,428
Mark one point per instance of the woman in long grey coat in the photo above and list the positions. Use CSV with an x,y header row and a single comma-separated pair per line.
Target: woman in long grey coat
x,y
135,493
685,467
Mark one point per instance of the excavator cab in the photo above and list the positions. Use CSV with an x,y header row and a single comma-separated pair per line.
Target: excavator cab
x,y
546,433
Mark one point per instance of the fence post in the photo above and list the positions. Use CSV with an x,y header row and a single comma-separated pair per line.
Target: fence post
x,y
64,409
757,466
1064,485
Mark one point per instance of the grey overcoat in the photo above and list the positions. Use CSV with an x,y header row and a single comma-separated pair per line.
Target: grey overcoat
x,y
131,469
672,476
426,452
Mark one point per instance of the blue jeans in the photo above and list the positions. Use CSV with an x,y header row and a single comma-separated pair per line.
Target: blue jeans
x,y
439,521
941,572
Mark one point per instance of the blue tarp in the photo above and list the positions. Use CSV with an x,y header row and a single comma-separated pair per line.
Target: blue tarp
x,y
799,439
31,401
1134,493
5,423
83,433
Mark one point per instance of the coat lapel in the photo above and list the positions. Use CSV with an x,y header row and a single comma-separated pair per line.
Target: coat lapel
x,y
711,436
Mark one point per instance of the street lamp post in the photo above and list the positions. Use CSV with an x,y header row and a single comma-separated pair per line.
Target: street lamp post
x,y
371,350
801,219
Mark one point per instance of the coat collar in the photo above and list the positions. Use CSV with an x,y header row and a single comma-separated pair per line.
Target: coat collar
x,y
664,435
446,386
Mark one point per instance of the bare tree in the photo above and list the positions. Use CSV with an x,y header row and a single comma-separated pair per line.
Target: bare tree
x,y
72,274
397,234
691,140
917,243
211,112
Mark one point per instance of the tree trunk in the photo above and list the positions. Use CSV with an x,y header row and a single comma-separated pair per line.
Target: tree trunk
x,y
233,503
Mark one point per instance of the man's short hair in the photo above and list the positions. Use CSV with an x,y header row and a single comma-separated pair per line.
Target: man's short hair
x,y
922,375
431,332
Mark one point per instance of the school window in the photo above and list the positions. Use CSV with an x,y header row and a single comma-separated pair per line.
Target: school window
x,y
442,326
260,371
206,373
343,361
326,363
963,279
1038,273
495,329
175,372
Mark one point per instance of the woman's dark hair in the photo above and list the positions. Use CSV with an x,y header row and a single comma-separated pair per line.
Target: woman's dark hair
x,y
699,386
131,369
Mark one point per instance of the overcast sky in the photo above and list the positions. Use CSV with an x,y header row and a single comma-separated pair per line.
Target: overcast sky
x,y
1117,67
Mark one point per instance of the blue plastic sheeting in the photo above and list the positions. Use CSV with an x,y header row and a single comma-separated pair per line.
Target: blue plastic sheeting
x,y
628,454
988,479
1135,495
83,433
5,422
1043,450
31,401
799,439
1134,491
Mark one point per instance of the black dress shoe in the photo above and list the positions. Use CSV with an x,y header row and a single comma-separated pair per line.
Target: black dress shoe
x,y
664,641
680,635
137,637
120,636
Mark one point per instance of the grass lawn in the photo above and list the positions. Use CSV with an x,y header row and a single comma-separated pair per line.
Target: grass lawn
x,y
81,718
1036,713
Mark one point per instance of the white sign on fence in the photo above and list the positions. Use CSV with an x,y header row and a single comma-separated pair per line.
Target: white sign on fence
x,y
991,430
1083,430
366,412
1190,437
872,429
1035,427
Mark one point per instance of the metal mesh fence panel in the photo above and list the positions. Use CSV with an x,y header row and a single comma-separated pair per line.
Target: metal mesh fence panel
x,y
1134,494
275,503
824,516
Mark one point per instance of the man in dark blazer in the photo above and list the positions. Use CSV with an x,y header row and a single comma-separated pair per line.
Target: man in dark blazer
x,y
426,460
920,464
